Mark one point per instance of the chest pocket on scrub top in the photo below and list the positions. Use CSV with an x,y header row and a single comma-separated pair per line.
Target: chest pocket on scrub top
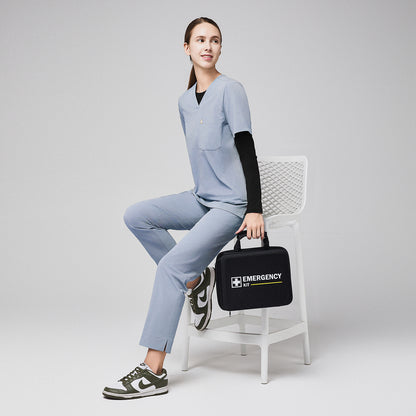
x,y
210,127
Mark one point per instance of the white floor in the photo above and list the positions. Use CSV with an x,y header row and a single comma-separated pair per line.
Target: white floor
x,y
57,367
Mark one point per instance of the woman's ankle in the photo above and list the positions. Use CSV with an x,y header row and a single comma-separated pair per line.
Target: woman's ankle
x,y
154,359
155,368
193,283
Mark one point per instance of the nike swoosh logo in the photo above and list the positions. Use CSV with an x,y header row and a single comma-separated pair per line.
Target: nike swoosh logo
x,y
202,304
144,386
204,298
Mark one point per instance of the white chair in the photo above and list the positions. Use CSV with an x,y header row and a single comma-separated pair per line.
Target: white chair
x,y
283,186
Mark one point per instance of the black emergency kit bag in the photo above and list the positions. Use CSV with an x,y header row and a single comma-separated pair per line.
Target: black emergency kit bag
x,y
257,277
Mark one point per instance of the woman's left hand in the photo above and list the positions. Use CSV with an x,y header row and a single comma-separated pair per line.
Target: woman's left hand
x,y
255,225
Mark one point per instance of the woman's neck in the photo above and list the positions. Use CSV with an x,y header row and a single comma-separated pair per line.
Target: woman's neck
x,y
204,79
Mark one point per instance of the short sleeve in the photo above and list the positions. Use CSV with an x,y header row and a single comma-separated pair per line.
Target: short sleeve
x,y
236,108
182,119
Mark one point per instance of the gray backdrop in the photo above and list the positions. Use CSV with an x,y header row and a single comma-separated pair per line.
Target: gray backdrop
x,y
90,125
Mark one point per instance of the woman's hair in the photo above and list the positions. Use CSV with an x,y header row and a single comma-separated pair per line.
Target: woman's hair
x,y
187,39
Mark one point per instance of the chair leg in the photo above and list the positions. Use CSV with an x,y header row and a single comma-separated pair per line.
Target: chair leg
x,y
264,345
306,348
242,327
264,363
302,296
185,358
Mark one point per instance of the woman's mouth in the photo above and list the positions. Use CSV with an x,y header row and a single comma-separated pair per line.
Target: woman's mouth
x,y
207,57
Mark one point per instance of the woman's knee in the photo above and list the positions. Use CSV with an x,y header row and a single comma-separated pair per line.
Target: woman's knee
x,y
135,215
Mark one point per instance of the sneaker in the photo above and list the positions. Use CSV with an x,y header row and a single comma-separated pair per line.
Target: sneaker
x,y
140,382
200,298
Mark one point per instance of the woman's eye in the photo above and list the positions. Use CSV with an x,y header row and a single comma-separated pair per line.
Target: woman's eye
x,y
216,40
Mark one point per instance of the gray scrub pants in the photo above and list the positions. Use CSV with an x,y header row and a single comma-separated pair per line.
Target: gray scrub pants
x,y
177,263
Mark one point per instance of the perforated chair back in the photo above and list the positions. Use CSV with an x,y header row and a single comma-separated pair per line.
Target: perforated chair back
x,y
283,184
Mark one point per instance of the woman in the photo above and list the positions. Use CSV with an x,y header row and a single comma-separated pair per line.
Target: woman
x,y
226,199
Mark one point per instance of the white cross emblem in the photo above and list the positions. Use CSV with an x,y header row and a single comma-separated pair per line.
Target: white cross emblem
x,y
236,281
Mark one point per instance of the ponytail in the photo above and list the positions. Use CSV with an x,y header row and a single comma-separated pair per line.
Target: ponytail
x,y
192,78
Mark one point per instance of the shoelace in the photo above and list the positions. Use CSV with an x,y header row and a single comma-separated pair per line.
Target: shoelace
x,y
191,301
132,375
193,298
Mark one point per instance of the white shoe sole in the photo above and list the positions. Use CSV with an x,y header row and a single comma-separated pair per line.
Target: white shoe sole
x,y
155,392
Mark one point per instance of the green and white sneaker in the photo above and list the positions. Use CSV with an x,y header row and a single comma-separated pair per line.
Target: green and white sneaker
x,y
200,298
140,382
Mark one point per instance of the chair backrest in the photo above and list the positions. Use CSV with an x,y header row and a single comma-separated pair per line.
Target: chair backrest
x,y
283,184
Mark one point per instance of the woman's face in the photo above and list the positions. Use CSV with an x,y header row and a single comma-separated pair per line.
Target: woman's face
x,y
205,40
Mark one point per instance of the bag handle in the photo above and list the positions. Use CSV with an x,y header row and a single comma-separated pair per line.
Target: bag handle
x,y
242,234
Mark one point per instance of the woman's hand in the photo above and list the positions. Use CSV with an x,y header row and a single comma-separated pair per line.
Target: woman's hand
x,y
255,225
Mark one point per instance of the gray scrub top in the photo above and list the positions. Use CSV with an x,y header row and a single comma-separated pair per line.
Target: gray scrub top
x,y
209,129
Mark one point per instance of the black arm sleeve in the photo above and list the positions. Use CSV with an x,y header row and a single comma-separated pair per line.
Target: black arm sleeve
x,y
245,146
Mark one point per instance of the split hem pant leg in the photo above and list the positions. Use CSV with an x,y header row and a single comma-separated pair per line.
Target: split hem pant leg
x,y
177,263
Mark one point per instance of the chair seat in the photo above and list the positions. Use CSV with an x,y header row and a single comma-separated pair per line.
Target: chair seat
x,y
280,329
